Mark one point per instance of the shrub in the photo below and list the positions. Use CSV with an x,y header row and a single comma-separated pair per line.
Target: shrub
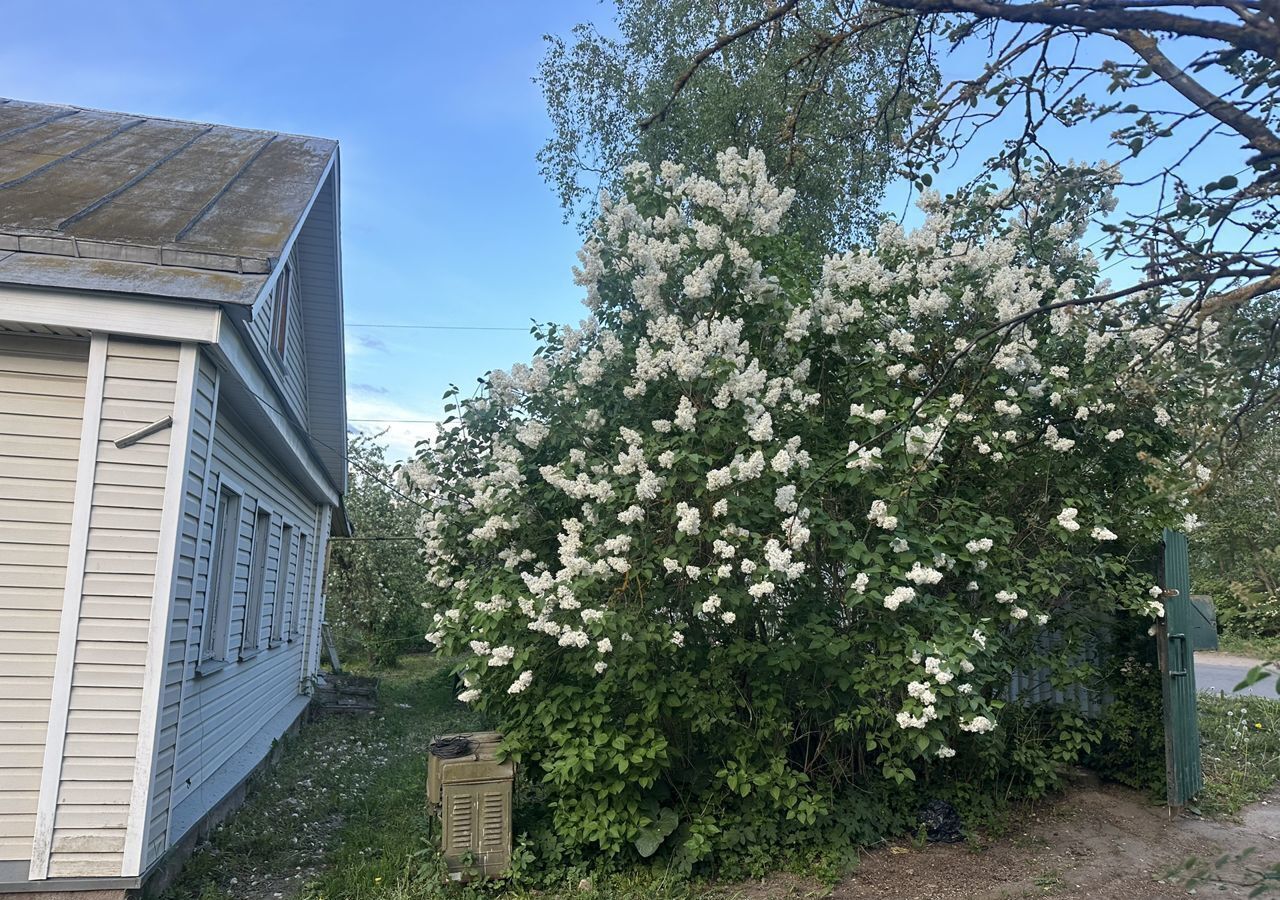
x,y
747,561
374,591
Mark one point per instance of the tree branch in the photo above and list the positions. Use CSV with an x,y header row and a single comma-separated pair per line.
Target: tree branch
x,y
1106,18
724,41
1255,131
1240,295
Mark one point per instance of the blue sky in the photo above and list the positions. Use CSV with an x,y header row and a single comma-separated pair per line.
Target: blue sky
x,y
446,221
445,218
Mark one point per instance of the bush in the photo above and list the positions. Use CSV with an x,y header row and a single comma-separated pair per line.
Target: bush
x,y
1130,747
374,591
746,563
1243,610
1237,552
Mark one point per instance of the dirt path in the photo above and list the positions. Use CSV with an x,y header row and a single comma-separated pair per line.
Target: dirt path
x,y
1096,842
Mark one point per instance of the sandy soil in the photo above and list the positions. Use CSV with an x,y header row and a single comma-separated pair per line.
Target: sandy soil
x,y
1096,842
1217,657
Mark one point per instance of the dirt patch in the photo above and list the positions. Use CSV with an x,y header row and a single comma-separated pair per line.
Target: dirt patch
x,y
1218,658
1094,842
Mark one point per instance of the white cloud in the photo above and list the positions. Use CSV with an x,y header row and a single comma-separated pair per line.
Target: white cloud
x,y
374,414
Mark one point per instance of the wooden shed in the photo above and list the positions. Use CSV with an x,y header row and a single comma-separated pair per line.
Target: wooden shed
x,y
172,434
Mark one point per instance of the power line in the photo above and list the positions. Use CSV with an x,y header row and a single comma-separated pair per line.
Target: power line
x,y
437,327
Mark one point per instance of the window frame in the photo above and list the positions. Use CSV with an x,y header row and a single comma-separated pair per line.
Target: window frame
x,y
277,635
281,298
220,582
259,556
304,539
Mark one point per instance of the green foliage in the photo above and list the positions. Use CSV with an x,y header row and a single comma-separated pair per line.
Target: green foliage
x,y
827,113
374,588
1131,747
766,542
1243,611
1238,546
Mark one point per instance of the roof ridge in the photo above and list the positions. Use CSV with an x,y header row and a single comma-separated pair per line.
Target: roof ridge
x,y
113,112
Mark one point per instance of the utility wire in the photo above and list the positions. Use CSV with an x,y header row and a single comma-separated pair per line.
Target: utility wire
x,y
436,327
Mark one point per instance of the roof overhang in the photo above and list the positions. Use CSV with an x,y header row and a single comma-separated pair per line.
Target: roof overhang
x,y
139,279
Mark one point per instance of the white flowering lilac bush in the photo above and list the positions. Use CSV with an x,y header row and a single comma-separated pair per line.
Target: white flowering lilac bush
x,y
760,544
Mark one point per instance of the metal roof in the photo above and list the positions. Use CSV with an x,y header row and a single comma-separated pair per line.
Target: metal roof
x,y
115,202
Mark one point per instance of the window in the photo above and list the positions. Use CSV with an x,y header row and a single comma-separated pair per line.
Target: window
x,y
284,581
296,604
222,576
250,640
280,314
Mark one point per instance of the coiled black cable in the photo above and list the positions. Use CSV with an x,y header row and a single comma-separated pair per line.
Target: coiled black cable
x,y
450,747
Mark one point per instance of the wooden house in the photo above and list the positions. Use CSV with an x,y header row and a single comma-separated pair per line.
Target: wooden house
x,y
172,434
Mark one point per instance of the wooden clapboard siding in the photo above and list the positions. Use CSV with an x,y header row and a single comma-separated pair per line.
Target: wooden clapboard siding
x,y
291,371
42,387
105,700
221,711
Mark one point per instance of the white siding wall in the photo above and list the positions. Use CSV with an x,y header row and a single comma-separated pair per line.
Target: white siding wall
x,y
189,581
67,781
219,712
108,655
42,386
292,370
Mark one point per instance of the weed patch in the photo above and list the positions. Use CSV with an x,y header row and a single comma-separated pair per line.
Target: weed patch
x,y
1240,751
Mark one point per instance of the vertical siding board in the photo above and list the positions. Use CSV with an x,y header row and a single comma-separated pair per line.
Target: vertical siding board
x,y
59,715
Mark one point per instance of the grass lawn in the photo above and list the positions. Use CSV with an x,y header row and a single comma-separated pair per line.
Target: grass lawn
x,y
348,796
1240,751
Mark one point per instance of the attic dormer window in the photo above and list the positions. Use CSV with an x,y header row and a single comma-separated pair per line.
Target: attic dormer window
x,y
280,315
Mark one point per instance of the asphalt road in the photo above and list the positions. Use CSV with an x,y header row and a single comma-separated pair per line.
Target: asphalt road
x,y
1219,672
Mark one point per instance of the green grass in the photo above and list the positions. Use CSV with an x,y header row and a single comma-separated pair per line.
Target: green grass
x,y
339,778
1240,751
343,817
1258,648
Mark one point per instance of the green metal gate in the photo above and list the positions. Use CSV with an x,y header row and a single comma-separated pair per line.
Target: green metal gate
x,y
1178,673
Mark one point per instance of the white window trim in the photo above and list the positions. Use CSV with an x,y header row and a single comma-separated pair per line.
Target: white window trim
x,y
278,636
218,653
280,312
295,608
257,594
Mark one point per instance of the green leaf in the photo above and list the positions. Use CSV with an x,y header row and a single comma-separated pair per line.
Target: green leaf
x,y
1254,675
647,843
